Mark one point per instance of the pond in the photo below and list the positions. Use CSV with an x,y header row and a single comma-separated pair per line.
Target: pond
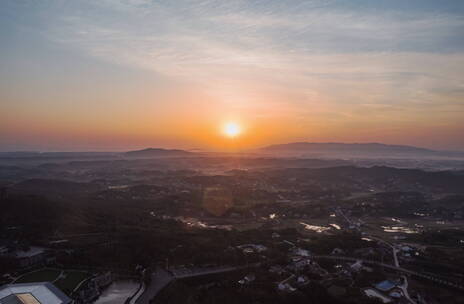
x,y
117,292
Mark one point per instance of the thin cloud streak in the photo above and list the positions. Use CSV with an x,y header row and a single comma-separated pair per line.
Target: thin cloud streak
x,y
318,63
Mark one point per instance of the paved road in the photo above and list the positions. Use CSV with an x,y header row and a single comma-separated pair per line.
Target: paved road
x,y
159,279
404,288
392,267
195,272
392,246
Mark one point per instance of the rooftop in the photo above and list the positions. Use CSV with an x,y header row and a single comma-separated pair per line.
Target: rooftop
x,y
385,285
29,253
32,293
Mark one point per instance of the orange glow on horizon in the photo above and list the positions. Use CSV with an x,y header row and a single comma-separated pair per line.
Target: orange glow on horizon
x,y
232,129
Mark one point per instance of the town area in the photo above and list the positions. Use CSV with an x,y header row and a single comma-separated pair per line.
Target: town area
x,y
230,229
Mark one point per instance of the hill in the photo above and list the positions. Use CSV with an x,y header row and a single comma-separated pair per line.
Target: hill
x,y
354,150
158,152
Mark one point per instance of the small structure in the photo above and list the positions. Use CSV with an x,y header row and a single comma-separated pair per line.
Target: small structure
x,y
372,293
385,285
337,251
357,266
302,280
91,288
300,252
299,265
277,269
396,294
102,280
285,284
30,257
247,279
32,293
251,248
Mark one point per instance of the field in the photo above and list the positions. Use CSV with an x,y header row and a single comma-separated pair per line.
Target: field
x,y
43,275
66,280
70,280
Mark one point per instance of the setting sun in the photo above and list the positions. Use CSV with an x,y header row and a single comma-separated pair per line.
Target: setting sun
x,y
231,129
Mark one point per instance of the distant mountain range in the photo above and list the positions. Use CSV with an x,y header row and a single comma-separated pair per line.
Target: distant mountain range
x,y
353,150
296,149
158,152
145,153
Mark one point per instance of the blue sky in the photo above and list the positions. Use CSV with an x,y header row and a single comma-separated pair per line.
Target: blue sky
x,y
390,71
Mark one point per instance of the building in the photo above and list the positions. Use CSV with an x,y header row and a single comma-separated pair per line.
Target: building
x,y
92,288
300,252
26,258
32,293
247,279
102,280
386,285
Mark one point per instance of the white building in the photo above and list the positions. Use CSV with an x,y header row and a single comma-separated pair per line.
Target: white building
x,y
32,293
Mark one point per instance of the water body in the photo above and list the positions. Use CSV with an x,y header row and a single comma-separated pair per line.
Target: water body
x,y
315,227
370,292
117,292
400,229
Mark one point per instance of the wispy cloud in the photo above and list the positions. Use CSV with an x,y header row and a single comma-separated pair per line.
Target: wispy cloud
x,y
334,60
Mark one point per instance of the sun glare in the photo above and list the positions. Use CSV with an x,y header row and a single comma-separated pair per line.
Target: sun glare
x,y
231,129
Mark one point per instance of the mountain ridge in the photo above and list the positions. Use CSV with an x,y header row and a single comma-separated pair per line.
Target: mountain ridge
x,y
355,149
325,145
158,152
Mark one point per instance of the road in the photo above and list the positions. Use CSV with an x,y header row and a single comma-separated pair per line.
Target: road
x,y
161,278
392,267
392,246
195,272
404,289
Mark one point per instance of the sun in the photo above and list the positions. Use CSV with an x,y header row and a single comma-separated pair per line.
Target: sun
x,y
231,129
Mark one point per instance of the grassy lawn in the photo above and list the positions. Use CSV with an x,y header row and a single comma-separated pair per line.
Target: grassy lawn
x,y
44,275
70,280
66,283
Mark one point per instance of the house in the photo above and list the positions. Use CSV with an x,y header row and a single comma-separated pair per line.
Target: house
x,y
302,280
29,257
373,293
92,288
369,251
300,252
247,279
286,287
251,248
104,279
285,284
386,285
357,266
299,265
337,251
277,269
32,293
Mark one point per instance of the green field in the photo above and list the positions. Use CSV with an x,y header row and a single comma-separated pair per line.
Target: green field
x,y
67,282
43,275
70,280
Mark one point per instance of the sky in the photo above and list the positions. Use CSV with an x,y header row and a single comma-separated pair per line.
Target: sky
x,y
125,74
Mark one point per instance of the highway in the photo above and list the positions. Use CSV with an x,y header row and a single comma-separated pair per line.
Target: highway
x,y
161,278
395,268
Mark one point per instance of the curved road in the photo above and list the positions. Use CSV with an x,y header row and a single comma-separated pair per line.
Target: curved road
x,y
161,278
392,267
